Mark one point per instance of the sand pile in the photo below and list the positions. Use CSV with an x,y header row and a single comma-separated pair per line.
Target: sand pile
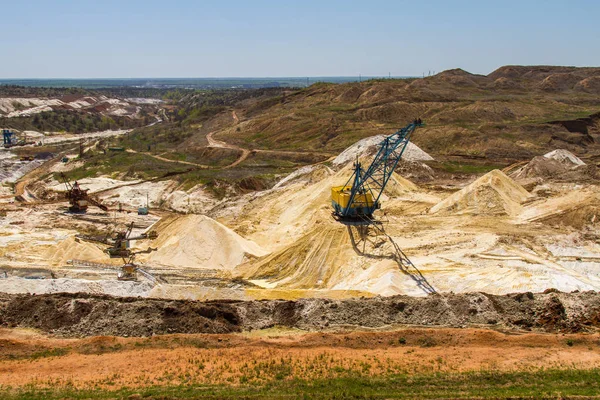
x,y
197,241
539,167
492,194
325,258
73,248
278,217
551,165
576,208
369,146
415,170
309,174
196,200
564,157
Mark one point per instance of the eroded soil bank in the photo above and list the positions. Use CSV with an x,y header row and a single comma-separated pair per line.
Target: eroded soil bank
x,y
76,315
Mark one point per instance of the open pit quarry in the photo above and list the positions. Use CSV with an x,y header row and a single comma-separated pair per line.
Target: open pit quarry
x,y
180,251
529,228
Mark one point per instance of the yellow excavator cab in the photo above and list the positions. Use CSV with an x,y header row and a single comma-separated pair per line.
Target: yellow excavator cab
x,y
341,196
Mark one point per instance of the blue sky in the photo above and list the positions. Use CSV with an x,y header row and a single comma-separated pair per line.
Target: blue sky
x,y
181,38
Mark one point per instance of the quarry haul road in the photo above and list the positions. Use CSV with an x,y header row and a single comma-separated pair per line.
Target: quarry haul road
x,y
212,142
169,160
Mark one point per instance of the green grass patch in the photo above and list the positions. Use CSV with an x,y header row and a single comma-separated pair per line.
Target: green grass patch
x,y
455,167
131,165
487,384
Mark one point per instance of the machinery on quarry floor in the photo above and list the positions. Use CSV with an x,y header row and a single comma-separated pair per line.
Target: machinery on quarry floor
x,y
119,247
119,244
355,202
10,139
128,271
79,199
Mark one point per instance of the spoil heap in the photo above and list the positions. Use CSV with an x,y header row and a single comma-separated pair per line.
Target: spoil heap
x,y
492,194
369,146
197,241
552,166
65,314
564,157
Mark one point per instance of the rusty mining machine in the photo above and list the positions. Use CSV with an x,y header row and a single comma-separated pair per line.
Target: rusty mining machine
x,y
127,272
79,199
119,247
119,243
355,202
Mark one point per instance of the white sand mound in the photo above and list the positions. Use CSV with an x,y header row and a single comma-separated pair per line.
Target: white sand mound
x,y
196,200
308,174
565,157
492,194
369,146
551,165
197,241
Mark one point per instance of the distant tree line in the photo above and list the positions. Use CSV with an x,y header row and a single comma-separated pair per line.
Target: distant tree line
x,y
72,121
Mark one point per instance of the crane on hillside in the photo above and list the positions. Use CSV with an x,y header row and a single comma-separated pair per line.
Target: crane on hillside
x,y
355,202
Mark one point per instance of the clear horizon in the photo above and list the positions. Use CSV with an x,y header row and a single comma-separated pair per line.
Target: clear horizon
x,y
267,39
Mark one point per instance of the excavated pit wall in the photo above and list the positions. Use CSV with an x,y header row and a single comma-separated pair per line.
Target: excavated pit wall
x,y
74,315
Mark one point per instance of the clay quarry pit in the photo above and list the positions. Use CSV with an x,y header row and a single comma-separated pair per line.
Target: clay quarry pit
x,y
494,269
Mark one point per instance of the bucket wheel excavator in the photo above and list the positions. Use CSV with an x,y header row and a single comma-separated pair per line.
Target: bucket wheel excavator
x,y
355,202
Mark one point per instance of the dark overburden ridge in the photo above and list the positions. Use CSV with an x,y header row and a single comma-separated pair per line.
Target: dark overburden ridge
x,y
88,314
191,83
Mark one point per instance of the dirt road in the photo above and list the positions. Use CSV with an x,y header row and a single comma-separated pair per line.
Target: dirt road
x,y
212,142
169,160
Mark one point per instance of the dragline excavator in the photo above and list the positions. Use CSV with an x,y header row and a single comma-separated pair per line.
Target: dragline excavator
x,y
355,202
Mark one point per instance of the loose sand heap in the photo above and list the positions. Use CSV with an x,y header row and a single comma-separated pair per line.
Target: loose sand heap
x,y
309,174
492,194
197,241
325,259
72,248
550,165
369,146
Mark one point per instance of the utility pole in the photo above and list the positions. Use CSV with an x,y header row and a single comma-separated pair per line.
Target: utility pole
x,y
81,148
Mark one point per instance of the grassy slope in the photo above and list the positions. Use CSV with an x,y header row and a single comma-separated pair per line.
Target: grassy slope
x,y
466,115
474,123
